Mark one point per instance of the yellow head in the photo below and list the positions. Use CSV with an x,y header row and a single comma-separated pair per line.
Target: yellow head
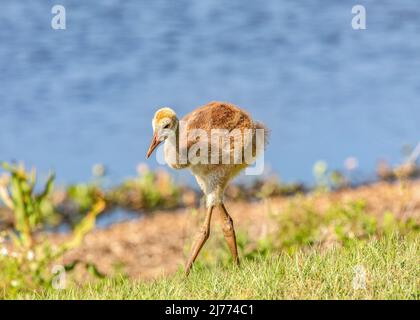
x,y
165,119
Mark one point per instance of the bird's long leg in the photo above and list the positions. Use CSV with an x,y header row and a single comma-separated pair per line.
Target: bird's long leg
x,y
201,238
229,232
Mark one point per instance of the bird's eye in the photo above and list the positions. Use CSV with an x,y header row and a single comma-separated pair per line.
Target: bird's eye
x,y
166,126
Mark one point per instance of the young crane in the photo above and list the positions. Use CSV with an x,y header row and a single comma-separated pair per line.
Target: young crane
x,y
216,141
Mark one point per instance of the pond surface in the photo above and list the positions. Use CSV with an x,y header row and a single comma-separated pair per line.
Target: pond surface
x,y
104,220
72,98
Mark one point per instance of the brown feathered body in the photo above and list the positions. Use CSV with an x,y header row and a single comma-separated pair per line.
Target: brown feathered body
x,y
220,130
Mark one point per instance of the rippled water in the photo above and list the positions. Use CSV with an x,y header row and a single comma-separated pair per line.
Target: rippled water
x,y
72,98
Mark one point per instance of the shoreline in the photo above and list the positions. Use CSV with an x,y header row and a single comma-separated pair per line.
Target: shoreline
x,y
158,244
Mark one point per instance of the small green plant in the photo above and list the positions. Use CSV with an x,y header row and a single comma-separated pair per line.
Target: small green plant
x,y
147,191
327,180
30,210
27,256
83,195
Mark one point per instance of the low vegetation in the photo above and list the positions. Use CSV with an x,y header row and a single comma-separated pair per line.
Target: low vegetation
x,y
376,269
147,191
312,249
26,256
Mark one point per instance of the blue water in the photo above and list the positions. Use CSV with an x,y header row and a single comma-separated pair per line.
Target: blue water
x,y
104,220
71,98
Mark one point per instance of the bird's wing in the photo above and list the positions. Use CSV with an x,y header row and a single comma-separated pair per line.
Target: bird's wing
x,y
216,115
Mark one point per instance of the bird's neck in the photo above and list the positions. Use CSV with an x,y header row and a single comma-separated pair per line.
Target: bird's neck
x,y
172,150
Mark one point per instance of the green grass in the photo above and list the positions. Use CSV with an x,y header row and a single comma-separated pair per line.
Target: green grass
x,y
391,267
310,251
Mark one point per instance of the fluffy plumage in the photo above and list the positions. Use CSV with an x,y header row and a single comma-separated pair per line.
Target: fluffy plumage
x,y
212,178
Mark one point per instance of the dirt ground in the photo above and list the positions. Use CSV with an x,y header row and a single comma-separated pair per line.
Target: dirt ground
x,y
158,244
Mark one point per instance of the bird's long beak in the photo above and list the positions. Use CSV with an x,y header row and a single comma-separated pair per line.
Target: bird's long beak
x,y
155,142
